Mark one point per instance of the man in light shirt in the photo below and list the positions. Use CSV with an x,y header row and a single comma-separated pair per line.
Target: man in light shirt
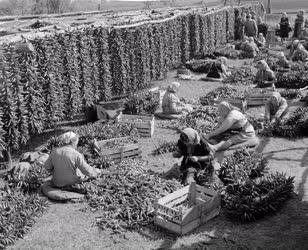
x,y
67,165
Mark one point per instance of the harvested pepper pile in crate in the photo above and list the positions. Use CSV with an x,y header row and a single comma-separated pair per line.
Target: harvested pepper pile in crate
x,y
125,195
104,130
221,92
240,76
255,199
295,126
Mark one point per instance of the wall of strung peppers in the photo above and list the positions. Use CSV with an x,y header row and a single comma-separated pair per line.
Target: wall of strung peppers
x,y
71,70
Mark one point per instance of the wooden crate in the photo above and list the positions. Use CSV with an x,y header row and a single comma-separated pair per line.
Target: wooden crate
x,y
258,97
109,110
121,153
144,123
239,103
203,205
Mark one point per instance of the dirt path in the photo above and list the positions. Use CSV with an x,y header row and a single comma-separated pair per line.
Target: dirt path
x,y
64,226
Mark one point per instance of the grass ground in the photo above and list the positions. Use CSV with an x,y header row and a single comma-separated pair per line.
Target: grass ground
x,y
65,226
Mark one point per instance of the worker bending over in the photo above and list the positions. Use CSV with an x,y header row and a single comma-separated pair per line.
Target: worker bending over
x,y
232,128
265,77
195,155
276,108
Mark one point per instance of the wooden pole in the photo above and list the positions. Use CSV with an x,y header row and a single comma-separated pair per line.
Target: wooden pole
x,y
269,7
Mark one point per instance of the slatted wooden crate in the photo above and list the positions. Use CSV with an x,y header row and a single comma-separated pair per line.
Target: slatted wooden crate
x,y
241,104
145,124
258,97
202,205
109,110
118,154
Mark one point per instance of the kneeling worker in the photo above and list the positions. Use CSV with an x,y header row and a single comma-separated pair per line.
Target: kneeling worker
x,y
276,108
232,128
195,155
67,165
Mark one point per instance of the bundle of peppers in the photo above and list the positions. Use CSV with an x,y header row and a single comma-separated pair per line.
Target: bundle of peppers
x,y
240,76
221,92
255,199
18,211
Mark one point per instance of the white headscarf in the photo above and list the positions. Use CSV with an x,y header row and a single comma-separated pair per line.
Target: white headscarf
x,y
69,138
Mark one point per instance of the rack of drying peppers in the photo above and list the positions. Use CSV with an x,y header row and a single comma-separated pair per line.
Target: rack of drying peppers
x,y
71,70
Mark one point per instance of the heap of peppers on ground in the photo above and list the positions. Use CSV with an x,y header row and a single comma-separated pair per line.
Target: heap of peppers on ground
x,y
124,195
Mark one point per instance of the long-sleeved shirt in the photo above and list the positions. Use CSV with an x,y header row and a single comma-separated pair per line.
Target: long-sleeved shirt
x,y
275,110
68,166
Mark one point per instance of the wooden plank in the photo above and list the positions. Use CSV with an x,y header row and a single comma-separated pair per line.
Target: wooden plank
x,y
158,220
124,154
176,201
190,215
190,226
206,217
173,195
116,151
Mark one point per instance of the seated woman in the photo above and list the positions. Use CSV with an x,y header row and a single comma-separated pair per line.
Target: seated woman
x,y
67,165
283,62
249,48
265,77
219,69
232,128
276,108
195,155
261,41
171,104
300,53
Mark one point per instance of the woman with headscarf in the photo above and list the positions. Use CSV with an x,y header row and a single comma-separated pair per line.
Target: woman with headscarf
x,y
67,165
171,104
249,48
282,61
265,77
194,152
239,25
300,53
232,128
276,108
284,26
298,26
219,69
